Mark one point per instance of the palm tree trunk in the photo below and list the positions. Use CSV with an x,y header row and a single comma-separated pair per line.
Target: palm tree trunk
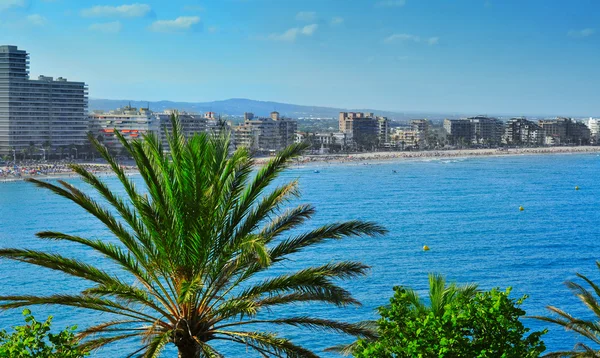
x,y
188,349
186,344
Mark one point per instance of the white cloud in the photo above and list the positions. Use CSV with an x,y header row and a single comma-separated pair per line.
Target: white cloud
x,y
402,37
213,29
336,21
107,27
306,16
133,10
581,33
390,3
288,36
180,24
411,38
433,40
291,34
309,29
37,20
11,4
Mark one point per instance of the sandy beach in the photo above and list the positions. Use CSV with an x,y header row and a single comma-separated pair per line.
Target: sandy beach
x,y
56,171
380,156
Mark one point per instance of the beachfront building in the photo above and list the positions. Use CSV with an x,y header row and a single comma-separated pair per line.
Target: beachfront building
x,y
190,124
265,134
364,129
560,131
555,130
474,130
46,112
578,133
421,129
520,131
594,126
406,138
458,131
383,131
329,141
131,122
423,126
486,130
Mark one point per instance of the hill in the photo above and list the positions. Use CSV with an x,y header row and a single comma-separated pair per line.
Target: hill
x,y
237,107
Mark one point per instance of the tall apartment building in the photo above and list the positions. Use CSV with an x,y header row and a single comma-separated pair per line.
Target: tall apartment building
x,y
520,131
41,112
383,130
565,131
406,138
190,124
265,134
131,122
474,130
578,133
594,126
486,130
421,125
555,130
458,131
364,129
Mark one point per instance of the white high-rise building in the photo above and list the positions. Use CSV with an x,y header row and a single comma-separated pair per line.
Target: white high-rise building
x,y
594,126
40,113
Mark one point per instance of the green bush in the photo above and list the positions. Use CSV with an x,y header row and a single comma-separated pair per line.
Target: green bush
x,y
34,340
483,325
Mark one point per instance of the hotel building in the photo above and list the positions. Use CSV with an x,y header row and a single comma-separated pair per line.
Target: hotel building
x,y
131,122
265,134
364,129
43,112
520,131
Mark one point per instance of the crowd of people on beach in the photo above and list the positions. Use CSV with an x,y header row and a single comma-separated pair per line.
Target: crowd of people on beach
x,y
16,171
374,156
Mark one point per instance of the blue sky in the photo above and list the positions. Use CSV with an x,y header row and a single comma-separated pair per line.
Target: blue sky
x,y
480,56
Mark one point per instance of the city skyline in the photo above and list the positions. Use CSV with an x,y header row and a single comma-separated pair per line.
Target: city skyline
x,y
476,56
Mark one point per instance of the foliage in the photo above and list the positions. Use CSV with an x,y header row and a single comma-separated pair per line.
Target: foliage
x,y
190,244
440,295
586,328
485,324
34,340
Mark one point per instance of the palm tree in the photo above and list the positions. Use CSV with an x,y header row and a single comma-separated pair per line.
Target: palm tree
x,y
586,328
440,295
190,250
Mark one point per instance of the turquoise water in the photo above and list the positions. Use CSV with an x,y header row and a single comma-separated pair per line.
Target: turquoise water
x,y
465,210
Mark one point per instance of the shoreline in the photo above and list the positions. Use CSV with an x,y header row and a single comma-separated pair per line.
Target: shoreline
x,y
438,154
358,158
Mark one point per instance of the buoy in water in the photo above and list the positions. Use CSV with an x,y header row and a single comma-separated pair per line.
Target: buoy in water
x,y
425,248
576,188
521,208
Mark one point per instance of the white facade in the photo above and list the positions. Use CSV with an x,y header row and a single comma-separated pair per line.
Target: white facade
x,y
594,126
190,124
130,122
43,112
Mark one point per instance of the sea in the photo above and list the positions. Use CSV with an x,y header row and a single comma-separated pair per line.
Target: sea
x,y
466,210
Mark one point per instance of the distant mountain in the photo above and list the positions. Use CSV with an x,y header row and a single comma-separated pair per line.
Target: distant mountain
x,y
237,107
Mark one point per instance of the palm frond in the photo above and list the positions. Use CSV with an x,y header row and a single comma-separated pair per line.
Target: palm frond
x,y
188,244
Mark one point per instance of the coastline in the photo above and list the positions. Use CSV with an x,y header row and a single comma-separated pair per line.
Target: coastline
x,y
441,154
103,170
